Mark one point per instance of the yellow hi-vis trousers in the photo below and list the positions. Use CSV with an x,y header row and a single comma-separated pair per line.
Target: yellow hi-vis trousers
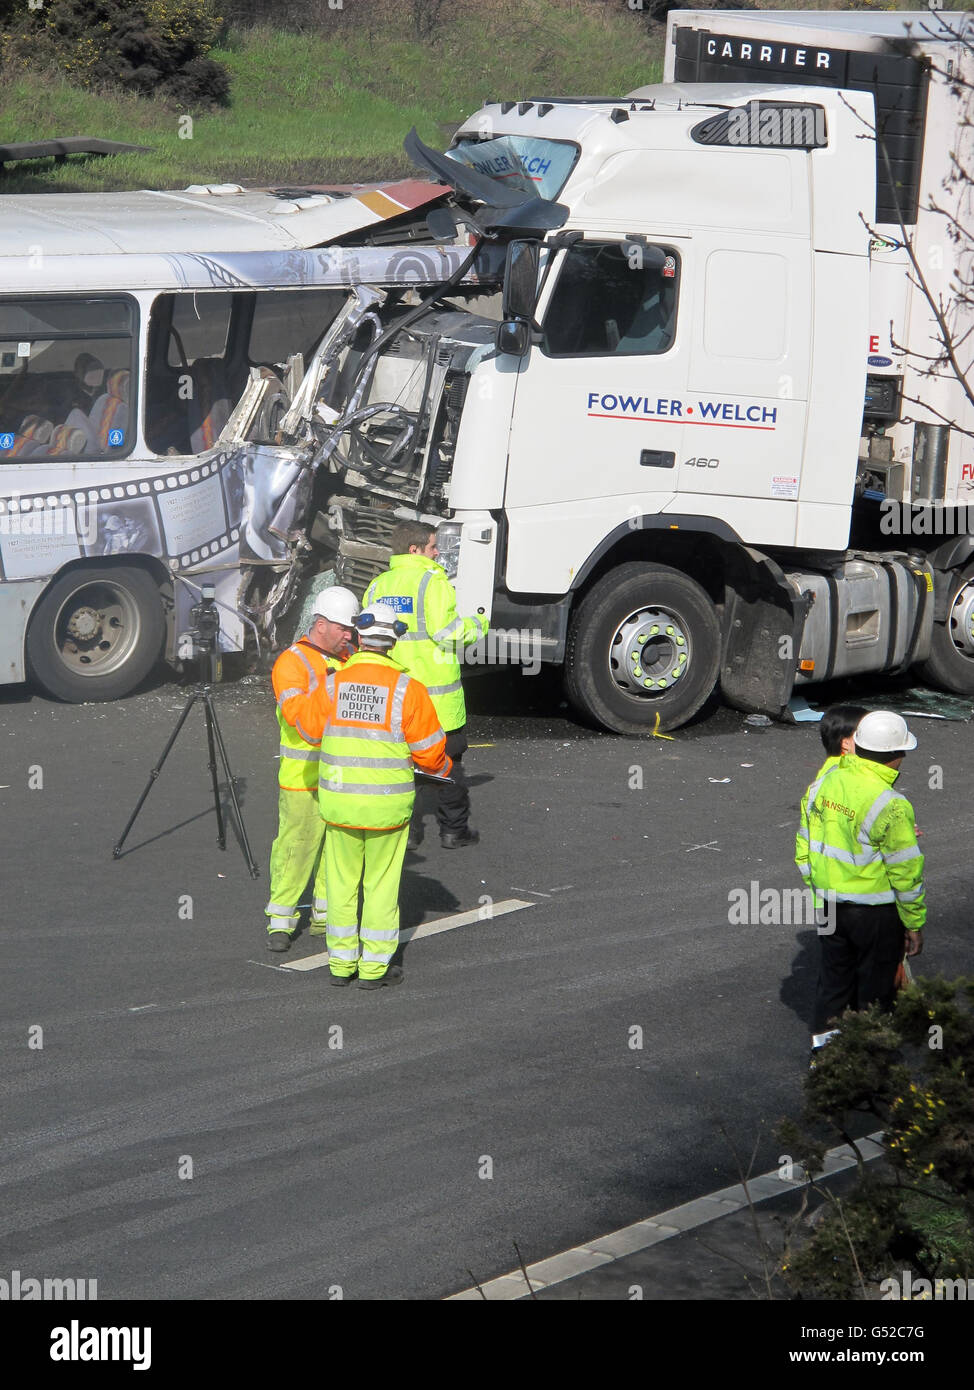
x,y
373,858
296,858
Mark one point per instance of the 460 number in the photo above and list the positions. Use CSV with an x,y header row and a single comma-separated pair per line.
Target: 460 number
x,y
701,463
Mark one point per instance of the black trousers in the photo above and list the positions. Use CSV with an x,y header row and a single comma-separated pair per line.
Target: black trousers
x,y
452,801
859,961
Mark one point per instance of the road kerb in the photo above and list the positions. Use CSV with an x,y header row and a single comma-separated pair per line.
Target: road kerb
x,y
629,1240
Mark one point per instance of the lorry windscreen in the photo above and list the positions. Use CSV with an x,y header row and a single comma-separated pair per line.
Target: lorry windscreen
x,y
537,166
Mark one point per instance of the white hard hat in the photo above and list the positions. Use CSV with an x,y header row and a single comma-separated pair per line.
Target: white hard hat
x,y
882,731
379,626
337,605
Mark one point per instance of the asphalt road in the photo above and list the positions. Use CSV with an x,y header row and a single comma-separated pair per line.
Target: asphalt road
x,y
200,1124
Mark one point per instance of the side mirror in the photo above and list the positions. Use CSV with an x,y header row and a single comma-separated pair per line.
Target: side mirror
x,y
521,280
514,337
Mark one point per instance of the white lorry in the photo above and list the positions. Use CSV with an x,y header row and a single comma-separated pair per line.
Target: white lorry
x,y
720,260
723,260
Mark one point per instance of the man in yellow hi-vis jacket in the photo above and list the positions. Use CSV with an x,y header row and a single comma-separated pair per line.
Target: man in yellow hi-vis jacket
x,y
296,853
424,599
857,848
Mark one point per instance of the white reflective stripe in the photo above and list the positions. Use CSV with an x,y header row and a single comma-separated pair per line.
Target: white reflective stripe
x,y
444,632
398,699
281,909
805,870
422,743
412,637
312,673
844,856
349,760
443,689
305,735
339,952
902,855
366,788
424,584
319,904
345,731
881,802
287,695
303,755
814,788
869,899
373,957
909,896
376,935
802,833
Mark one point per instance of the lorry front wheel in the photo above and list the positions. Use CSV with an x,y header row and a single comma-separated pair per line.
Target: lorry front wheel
x,y
950,665
96,634
643,650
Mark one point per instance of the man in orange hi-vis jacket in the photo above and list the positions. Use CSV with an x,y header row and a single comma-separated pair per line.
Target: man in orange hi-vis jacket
x,y
375,722
296,855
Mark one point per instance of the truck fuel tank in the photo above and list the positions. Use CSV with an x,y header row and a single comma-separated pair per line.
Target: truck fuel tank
x,y
868,613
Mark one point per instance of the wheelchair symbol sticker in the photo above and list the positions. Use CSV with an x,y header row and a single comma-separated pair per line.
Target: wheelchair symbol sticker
x,y
116,438
6,441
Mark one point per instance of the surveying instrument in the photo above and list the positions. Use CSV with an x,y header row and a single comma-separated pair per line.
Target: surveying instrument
x,y
199,644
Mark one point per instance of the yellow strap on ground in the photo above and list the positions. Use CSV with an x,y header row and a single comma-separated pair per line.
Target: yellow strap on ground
x,y
657,734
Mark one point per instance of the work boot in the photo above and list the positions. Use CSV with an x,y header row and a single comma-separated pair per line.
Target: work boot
x,y
393,976
278,941
415,837
340,980
459,839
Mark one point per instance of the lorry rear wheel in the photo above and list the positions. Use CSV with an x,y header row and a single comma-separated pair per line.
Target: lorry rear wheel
x,y
96,634
643,650
950,665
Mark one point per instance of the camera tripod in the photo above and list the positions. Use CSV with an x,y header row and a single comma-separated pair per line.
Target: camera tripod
x,y
214,739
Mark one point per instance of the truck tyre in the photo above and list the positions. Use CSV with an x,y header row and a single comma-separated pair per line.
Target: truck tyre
x,y
644,642
950,665
96,634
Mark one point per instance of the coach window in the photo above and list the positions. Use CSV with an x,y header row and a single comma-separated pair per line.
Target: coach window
x,y
286,322
67,378
193,376
202,345
612,299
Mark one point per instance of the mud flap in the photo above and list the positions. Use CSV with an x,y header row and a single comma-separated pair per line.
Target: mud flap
x,y
763,623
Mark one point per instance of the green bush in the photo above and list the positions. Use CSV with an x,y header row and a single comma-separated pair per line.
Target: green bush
x,y
152,47
914,1072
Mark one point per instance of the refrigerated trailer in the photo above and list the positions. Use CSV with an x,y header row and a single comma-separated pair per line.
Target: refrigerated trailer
x,y
715,442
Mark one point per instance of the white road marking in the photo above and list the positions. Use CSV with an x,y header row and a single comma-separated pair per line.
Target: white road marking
x,y
642,1234
439,924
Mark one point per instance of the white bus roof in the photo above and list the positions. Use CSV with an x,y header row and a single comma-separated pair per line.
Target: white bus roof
x,y
339,266
210,218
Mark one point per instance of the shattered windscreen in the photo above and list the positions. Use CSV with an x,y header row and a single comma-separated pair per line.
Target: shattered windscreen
x,y
537,166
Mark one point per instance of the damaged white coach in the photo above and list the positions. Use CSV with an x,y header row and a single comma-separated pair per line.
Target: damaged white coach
x,y
161,361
